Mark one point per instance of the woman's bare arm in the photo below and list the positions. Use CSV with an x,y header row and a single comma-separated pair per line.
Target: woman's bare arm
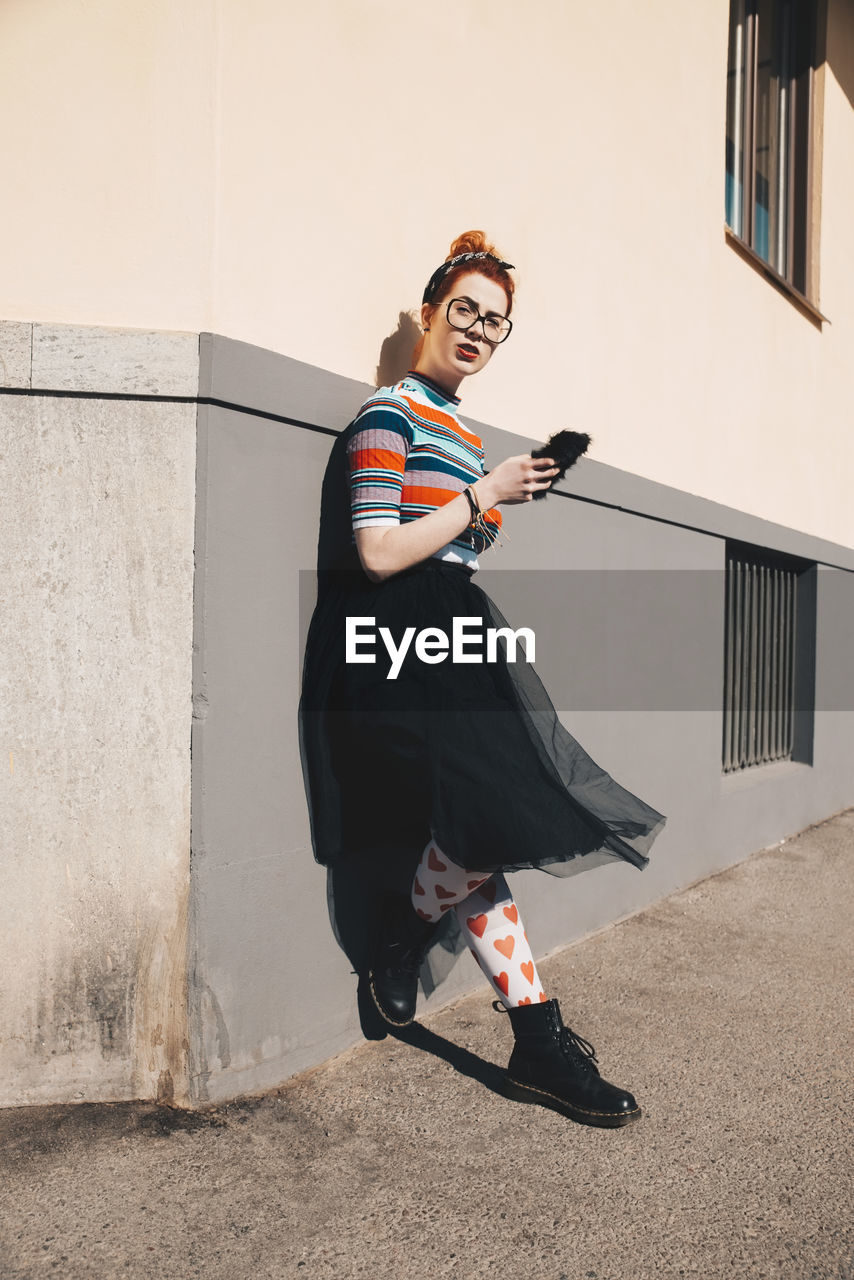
x,y
387,550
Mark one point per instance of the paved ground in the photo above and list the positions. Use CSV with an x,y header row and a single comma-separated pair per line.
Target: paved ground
x,y
727,1010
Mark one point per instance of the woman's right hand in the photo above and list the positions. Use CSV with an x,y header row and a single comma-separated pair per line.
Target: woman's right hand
x,y
515,479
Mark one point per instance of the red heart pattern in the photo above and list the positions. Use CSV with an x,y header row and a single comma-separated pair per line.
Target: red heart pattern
x,y
433,861
441,884
477,924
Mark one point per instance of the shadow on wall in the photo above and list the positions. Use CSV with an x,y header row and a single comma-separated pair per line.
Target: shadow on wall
x,y
356,888
396,350
839,46
356,891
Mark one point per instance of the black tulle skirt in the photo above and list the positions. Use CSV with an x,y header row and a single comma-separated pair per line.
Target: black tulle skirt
x,y
471,755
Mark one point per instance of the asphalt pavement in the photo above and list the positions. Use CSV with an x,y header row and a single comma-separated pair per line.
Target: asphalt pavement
x,y
726,1009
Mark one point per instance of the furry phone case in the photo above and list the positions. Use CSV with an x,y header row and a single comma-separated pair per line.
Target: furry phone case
x,y
566,447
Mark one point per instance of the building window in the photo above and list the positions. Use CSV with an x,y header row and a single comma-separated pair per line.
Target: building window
x,y
773,48
769,658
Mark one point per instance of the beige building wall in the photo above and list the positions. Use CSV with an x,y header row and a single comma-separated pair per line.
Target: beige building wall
x,y
289,175
109,195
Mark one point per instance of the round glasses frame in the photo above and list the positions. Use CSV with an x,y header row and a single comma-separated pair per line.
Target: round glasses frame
x,y
503,324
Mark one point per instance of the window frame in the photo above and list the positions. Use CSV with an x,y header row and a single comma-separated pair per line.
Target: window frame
x,y
803,159
769,656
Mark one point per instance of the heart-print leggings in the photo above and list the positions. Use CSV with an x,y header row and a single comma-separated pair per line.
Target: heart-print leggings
x,y
489,919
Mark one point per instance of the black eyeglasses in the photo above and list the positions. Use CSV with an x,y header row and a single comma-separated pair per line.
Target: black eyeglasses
x,y
463,314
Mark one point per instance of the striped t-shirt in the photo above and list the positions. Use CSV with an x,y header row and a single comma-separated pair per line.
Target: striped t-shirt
x,y
409,454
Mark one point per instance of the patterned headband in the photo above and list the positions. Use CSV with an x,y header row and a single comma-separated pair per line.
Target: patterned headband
x,y
440,272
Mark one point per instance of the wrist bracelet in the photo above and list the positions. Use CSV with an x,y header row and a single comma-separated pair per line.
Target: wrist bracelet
x,y
473,503
478,522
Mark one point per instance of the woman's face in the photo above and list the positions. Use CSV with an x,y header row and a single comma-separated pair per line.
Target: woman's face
x,y
449,354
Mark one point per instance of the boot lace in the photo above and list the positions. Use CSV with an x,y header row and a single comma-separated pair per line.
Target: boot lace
x,y
579,1050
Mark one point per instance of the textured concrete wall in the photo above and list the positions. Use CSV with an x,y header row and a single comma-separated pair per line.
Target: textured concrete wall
x,y
271,992
96,527
132,970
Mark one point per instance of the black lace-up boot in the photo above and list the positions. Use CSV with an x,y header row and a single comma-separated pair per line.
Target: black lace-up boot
x,y
553,1066
393,975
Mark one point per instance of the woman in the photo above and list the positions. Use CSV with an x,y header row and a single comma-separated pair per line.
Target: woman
x,y
414,750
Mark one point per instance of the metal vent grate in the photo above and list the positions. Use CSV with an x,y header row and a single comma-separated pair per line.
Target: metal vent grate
x,y
759,659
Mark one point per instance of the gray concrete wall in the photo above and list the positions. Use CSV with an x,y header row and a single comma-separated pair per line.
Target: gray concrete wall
x,y
271,993
160,519
97,567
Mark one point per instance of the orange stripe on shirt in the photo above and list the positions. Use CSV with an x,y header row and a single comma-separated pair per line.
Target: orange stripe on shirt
x,y
385,459
427,412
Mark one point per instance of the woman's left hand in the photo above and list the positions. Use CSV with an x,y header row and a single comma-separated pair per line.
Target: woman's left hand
x,y
515,480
